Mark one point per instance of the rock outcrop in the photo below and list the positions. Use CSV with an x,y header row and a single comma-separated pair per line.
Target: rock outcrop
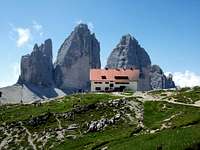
x,y
129,54
169,82
159,80
79,52
37,67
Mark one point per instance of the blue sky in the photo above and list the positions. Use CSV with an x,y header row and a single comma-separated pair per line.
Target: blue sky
x,y
168,30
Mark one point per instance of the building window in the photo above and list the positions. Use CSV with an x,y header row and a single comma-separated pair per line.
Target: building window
x,y
97,82
122,83
121,77
97,88
103,77
107,82
111,85
106,88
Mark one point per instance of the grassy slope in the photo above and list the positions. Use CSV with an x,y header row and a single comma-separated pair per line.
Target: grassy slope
x,y
179,136
187,95
170,139
183,133
11,113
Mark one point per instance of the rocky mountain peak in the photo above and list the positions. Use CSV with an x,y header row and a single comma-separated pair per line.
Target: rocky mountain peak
x,y
82,28
128,53
78,53
127,40
157,69
44,49
37,67
35,48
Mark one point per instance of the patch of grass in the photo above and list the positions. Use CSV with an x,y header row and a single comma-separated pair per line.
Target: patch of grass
x,y
128,93
187,95
183,132
119,136
155,92
98,139
12,113
156,112
171,139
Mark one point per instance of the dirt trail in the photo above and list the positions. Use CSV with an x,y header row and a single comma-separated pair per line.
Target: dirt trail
x,y
59,123
147,97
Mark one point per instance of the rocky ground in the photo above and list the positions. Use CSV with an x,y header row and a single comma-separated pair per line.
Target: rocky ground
x,y
27,94
141,120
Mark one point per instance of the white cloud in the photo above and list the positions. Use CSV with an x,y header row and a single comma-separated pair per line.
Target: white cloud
x,y
37,29
185,79
24,35
37,26
41,33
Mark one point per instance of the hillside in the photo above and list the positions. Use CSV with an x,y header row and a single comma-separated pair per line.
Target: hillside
x,y
162,119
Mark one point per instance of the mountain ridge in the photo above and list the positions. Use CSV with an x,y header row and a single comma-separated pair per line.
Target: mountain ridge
x,y
79,53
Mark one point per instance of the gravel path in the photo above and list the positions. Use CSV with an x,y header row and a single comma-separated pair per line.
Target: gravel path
x,y
148,97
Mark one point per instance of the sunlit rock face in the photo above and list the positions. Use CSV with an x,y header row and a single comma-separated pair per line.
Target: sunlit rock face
x,y
128,53
79,52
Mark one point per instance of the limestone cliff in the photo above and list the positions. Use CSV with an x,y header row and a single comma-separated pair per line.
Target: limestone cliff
x,y
79,52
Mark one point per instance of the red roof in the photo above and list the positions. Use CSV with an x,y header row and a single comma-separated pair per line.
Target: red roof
x,y
110,74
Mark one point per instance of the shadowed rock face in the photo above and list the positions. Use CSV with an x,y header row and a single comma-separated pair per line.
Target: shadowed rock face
x,y
79,52
128,53
159,80
37,67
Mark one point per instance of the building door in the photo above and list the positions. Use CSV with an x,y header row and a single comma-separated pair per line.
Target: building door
x,y
122,88
111,85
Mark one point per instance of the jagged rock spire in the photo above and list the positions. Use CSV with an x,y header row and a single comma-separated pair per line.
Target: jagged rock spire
x,y
79,52
37,67
128,53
